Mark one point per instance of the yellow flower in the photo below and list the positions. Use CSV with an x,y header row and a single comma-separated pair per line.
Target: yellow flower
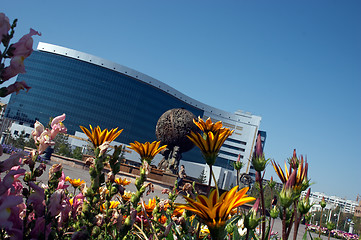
x,y
147,150
121,181
215,209
150,206
210,143
98,137
208,126
103,191
113,204
178,212
126,196
204,231
74,182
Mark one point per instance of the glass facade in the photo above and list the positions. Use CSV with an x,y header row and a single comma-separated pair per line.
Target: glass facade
x,y
91,94
91,90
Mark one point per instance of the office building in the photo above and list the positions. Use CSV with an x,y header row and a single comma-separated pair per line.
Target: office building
x,y
92,90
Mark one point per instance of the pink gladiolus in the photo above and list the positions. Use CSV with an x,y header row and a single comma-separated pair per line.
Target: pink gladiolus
x,y
13,160
77,201
45,141
61,184
37,198
38,130
8,180
58,126
4,26
7,203
39,228
24,47
16,66
58,203
21,172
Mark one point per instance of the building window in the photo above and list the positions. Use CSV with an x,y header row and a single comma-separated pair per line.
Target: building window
x,y
16,133
236,141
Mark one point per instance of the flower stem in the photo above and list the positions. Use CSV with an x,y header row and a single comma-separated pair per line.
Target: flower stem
x,y
263,229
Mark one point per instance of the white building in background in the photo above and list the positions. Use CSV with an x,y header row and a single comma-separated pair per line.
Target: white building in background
x,y
346,206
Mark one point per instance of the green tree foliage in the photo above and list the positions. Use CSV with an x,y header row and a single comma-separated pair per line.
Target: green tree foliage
x,y
268,194
62,146
202,177
77,154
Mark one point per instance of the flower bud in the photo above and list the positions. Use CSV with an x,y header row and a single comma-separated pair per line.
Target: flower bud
x,y
96,231
274,212
230,228
304,204
259,163
272,183
250,220
287,196
55,171
323,202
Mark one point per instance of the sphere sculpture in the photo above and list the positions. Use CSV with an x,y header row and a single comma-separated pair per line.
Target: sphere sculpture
x,y
172,129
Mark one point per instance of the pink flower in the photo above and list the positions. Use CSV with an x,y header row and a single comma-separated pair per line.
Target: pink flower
x,y
24,47
4,26
57,126
45,141
13,160
59,204
38,130
37,198
77,201
39,228
6,207
61,184
16,66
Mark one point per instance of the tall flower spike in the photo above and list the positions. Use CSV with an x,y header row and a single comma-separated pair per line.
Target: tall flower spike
x,y
98,137
147,151
215,209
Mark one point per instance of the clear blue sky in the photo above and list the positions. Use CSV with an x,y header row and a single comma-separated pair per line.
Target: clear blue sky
x,y
297,64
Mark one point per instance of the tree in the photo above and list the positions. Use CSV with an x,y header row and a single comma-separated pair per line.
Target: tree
x,y
19,141
267,191
62,146
202,177
77,154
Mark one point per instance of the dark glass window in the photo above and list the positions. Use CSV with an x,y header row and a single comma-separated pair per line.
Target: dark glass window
x,y
233,147
236,141
91,94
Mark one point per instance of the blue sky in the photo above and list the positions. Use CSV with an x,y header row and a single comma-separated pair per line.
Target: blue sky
x,y
297,64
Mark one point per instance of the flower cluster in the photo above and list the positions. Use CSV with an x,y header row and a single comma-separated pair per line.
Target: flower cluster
x,y
15,54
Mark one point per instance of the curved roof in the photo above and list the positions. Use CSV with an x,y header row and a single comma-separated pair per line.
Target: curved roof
x,y
238,116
